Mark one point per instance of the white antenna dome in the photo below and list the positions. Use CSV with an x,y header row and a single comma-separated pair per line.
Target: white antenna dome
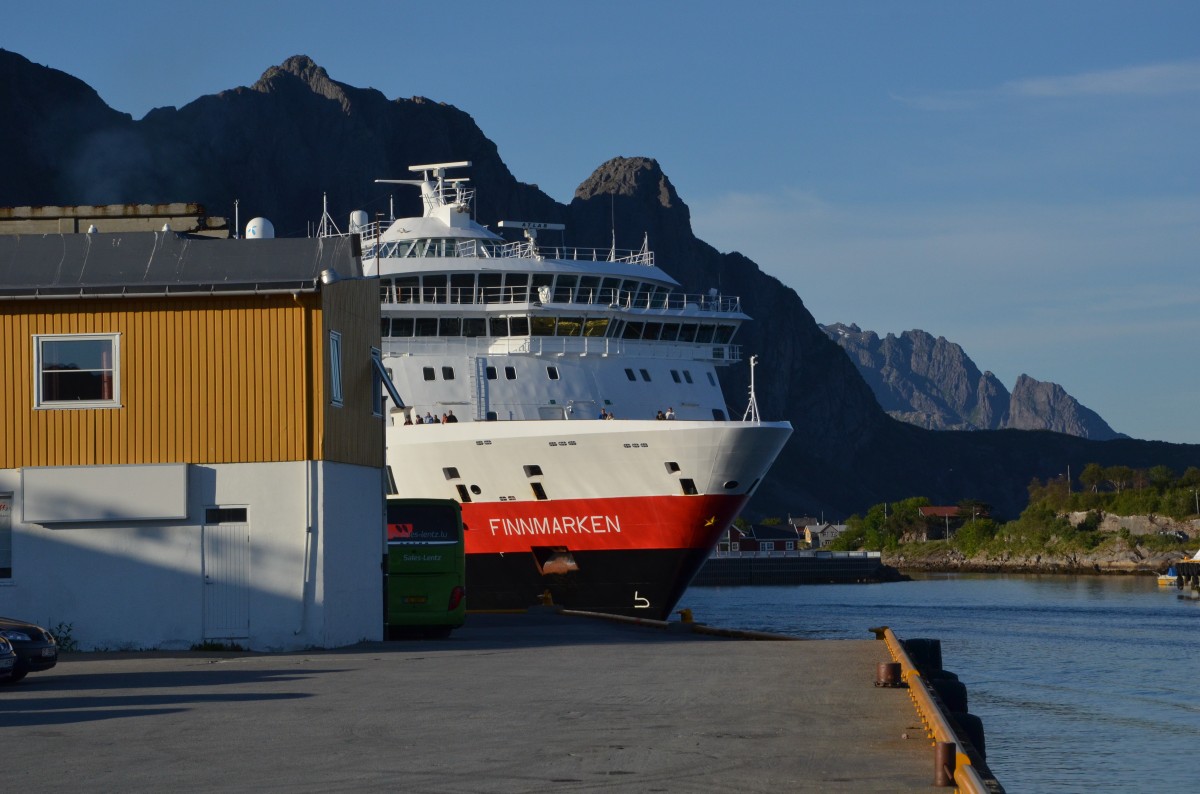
x,y
358,221
259,229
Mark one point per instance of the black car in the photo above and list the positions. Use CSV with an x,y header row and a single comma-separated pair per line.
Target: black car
x,y
8,660
35,647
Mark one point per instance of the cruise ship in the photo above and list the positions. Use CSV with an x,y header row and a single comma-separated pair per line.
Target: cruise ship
x,y
567,398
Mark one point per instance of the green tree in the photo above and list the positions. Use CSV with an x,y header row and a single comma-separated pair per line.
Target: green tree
x,y
1119,477
1091,477
1161,477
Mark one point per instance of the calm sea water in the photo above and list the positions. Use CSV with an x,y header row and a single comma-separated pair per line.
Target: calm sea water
x,y
1083,684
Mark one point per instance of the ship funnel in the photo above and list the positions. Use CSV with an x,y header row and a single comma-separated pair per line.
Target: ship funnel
x,y
259,229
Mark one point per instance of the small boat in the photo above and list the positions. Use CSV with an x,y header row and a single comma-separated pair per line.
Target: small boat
x,y
1168,579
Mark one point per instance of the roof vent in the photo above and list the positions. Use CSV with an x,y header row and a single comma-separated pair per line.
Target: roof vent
x,y
259,229
92,229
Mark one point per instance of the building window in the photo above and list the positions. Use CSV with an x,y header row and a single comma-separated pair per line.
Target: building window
x,y
77,371
224,515
735,546
767,545
335,368
789,545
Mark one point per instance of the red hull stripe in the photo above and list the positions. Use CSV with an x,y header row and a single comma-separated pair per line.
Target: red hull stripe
x,y
621,523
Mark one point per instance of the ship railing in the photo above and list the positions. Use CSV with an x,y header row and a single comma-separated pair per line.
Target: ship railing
x,y
560,346
390,293
527,249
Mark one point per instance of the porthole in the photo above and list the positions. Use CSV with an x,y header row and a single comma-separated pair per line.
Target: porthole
x,y
731,484
475,489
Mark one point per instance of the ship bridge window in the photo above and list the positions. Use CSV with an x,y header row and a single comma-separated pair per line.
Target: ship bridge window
x,y
652,330
589,290
608,291
426,326
670,332
595,326
474,326
633,330
447,373
386,295
402,326
629,374
543,325
489,287
687,332
516,287
616,328
450,326
408,289
642,299
564,289
518,326
705,334
427,373
569,326
510,373
434,288
462,288
491,373
542,280
724,334
552,372
385,327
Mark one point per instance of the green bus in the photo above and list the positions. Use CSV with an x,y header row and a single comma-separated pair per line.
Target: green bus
x,y
425,594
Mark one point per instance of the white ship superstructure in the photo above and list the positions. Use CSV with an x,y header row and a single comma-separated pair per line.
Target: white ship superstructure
x,y
532,378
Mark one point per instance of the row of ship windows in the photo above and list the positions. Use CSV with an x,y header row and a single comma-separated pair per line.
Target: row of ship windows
x,y
524,287
551,325
510,373
687,485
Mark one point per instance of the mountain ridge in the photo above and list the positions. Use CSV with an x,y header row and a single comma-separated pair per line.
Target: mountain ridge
x,y
932,383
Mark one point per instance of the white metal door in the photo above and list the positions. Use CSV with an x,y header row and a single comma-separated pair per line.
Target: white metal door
x,y
226,581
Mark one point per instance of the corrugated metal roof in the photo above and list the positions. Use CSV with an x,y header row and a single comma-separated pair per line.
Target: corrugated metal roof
x,y
156,263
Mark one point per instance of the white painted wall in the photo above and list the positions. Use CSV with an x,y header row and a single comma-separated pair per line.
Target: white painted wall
x,y
139,585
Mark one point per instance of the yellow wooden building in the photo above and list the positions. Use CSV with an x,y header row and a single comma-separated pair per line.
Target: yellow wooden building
x,y
191,439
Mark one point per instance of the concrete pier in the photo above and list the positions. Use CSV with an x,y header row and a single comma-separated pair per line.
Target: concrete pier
x,y
536,702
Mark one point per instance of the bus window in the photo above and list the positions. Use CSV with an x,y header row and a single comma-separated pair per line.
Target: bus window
x,y
426,568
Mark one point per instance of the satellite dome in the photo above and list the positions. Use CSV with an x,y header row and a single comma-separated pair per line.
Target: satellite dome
x,y
358,221
259,229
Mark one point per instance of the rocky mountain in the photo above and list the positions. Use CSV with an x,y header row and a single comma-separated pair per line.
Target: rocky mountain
x,y
296,133
932,383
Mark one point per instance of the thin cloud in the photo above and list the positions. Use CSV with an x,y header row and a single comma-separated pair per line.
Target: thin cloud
x,y
1161,79
1152,80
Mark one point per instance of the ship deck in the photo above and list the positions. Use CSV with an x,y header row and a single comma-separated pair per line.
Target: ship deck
x,y
529,702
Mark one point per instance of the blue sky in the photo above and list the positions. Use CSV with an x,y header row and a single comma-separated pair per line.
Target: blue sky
x,y
1021,178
